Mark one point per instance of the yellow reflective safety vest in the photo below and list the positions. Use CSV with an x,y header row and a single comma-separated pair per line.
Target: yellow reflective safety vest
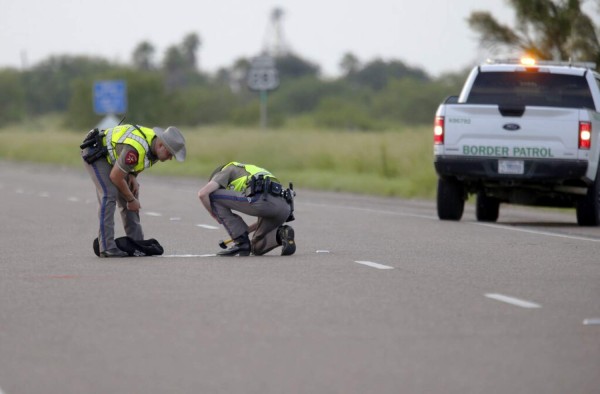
x,y
140,138
240,184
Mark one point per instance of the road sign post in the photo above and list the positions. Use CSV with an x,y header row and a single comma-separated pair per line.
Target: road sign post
x,y
263,77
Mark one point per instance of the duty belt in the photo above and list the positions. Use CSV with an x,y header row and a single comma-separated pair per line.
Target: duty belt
x,y
263,185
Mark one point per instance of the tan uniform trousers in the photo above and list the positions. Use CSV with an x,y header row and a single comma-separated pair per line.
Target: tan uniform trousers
x,y
271,211
108,198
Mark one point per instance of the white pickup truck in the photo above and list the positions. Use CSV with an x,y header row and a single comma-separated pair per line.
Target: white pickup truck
x,y
526,134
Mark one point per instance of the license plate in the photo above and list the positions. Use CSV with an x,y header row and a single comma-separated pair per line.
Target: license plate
x,y
511,167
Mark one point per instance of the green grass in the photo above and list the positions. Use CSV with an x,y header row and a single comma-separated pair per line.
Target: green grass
x,y
390,163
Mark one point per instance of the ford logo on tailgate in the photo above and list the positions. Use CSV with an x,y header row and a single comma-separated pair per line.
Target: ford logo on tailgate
x,y
511,127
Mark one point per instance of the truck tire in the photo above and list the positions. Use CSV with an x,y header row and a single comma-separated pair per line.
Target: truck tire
x,y
588,206
486,208
450,199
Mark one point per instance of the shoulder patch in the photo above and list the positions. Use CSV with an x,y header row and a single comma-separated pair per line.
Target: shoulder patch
x,y
131,157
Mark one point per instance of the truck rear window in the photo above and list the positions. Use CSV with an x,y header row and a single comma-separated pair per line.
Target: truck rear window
x,y
531,88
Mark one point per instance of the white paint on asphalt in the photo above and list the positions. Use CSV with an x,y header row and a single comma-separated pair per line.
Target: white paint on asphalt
x,y
375,265
493,225
591,322
153,214
44,194
512,300
73,199
322,251
175,219
187,255
371,210
208,226
523,230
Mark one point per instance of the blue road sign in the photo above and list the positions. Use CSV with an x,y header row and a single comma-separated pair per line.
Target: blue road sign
x,y
110,97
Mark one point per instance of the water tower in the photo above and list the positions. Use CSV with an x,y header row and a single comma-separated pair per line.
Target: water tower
x,y
274,42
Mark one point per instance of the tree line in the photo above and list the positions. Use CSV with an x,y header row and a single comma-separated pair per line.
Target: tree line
x,y
373,95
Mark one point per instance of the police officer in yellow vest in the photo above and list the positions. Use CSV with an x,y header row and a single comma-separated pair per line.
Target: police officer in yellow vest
x,y
256,192
113,158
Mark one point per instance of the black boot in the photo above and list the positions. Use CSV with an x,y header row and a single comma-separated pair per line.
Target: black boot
x,y
241,248
285,235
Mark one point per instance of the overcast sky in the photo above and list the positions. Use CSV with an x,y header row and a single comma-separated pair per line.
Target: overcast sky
x,y
431,34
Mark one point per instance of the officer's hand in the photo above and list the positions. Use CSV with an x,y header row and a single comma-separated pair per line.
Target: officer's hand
x,y
134,205
133,184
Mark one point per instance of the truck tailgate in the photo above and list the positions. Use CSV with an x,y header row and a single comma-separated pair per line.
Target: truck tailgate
x,y
540,132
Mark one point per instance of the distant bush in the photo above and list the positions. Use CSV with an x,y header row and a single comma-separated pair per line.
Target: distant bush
x,y
12,97
336,113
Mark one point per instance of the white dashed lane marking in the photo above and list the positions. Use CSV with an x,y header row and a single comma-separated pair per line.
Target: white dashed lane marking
x,y
512,300
207,226
375,265
591,322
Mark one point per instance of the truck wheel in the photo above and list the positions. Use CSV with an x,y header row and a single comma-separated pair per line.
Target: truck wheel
x,y
487,208
588,207
450,199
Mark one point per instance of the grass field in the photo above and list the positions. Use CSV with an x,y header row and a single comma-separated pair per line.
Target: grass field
x,y
390,163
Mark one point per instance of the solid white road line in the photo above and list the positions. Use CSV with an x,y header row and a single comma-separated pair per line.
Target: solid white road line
x,y
375,265
153,214
188,255
372,210
537,232
498,226
513,301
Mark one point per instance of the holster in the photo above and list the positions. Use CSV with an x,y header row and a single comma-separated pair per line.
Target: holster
x,y
95,149
289,195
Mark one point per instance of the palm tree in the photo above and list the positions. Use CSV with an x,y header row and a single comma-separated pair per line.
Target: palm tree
x,y
142,56
190,45
349,64
546,29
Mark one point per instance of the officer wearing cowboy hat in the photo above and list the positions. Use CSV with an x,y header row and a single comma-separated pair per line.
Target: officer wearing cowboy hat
x,y
113,160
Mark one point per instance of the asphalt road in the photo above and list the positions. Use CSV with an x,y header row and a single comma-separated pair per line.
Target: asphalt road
x,y
381,297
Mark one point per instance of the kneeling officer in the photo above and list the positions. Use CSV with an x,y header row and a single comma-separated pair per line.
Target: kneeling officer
x,y
256,192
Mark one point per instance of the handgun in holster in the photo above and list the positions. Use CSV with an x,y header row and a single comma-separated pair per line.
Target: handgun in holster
x,y
93,143
289,195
